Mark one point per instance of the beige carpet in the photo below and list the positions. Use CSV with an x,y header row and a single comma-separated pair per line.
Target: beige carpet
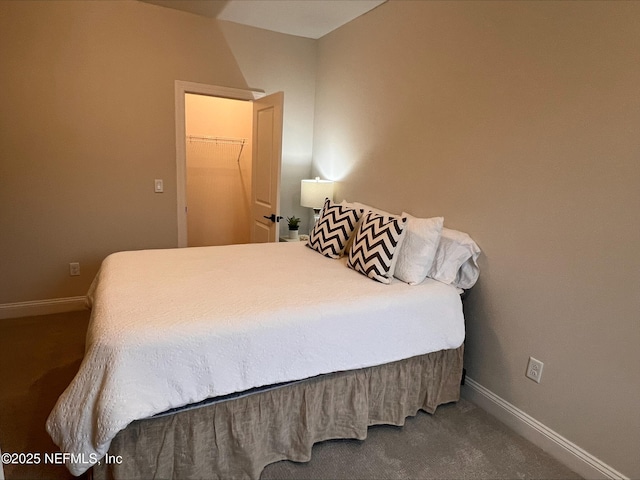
x,y
460,441
40,355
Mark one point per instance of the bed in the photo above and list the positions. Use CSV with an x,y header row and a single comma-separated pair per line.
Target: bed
x,y
213,362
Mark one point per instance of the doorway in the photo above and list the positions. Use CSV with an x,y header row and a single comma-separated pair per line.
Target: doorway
x,y
266,148
218,158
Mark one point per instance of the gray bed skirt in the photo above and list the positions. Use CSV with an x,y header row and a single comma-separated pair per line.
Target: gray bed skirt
x,y
237,438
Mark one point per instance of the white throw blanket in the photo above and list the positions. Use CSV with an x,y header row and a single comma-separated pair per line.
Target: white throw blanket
x,y
173,327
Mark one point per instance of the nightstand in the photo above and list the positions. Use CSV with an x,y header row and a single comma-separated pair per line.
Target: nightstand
x,y
301,238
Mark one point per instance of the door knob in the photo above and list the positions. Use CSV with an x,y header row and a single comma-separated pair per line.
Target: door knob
x,y
273,217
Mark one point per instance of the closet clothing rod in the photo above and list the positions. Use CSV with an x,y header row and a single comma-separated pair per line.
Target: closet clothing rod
x,y
220,140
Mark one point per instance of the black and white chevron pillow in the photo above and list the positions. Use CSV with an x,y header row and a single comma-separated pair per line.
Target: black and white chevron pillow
x,y
331,232
375,243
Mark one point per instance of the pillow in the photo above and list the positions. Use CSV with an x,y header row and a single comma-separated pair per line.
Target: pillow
x,y
374,245
455,260
365,209
344,203
418,249
332,230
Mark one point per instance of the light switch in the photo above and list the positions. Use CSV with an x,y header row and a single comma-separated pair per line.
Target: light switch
x,y
159,185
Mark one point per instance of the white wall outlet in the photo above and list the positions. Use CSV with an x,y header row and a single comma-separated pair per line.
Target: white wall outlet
x,y
158,185
74,269
534,369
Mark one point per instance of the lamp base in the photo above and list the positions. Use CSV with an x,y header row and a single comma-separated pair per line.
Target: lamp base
x,y
316,215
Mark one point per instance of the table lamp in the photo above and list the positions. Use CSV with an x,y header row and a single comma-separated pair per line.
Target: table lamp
x,y
313,194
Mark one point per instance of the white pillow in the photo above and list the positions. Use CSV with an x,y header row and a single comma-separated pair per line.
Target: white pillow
x,y
418,249
368,208
455,260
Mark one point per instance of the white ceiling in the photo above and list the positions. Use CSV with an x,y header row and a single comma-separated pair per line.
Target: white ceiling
x,y
304,18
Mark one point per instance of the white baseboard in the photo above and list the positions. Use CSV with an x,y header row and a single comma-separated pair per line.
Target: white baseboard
x,y
565,451
42,307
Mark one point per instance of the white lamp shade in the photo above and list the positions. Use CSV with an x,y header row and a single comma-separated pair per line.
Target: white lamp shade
x,y
314,192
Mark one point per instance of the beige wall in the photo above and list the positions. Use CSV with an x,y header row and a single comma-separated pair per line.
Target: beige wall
x,y
274,54
218,173
517,121
87,123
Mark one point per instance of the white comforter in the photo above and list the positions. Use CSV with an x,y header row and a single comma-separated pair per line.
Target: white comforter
x,y
173,327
